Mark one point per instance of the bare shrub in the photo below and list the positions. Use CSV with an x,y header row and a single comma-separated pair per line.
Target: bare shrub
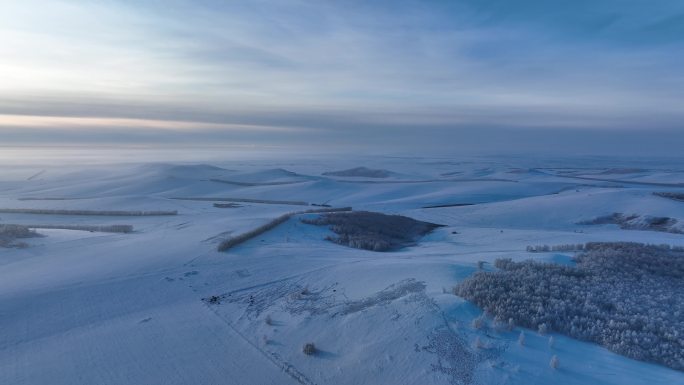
x,y
478,322
478,343
309,349
554,362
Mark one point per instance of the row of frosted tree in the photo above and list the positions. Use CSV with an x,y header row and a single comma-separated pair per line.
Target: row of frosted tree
x,y
135,213
273,223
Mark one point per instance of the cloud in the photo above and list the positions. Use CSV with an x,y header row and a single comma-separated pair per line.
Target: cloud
x,y
321,71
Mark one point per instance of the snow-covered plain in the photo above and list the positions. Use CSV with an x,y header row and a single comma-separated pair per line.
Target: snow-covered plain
x,y
80,307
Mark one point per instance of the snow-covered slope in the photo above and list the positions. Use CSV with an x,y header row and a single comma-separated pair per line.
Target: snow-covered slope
x,y
96,308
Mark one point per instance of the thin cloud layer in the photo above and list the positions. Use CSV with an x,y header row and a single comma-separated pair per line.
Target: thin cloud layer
x,y
325,72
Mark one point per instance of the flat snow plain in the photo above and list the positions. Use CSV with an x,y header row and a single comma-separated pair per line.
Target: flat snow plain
x,y
80,307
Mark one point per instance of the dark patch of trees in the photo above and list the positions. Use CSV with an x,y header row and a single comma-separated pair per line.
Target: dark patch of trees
x,y
373,231
637,222
670,195
627,297
360,172
10,233
227,205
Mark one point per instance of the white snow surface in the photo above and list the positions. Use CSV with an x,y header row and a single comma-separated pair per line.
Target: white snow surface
x,y
79,307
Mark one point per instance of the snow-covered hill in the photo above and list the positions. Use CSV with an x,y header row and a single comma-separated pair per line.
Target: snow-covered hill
x,y
161,306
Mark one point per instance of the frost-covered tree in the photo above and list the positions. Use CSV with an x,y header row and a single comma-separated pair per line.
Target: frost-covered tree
x,y
478,322
478,343
627,297
542,329
554,362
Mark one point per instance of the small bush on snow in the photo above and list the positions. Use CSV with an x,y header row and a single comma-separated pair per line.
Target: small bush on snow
x,y
309,349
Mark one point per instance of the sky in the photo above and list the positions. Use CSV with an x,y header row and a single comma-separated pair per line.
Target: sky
x,y
464,75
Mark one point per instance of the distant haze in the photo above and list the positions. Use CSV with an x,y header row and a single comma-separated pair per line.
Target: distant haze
x,y
462,76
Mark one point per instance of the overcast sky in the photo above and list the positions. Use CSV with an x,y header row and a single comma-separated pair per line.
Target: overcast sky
x,y
461,74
